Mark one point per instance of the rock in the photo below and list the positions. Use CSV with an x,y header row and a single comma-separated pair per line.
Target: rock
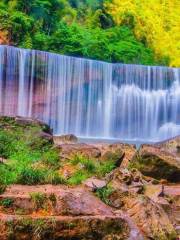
x,y
69,201
75,213
24,121
130,151
4,38
120,153
3,160
9,121
148,216
157,163
114,155
69,138
65,228
172,145
141,201
94,183
170,202
46,136
67,151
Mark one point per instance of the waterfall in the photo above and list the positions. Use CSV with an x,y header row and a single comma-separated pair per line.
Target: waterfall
x,y
90,98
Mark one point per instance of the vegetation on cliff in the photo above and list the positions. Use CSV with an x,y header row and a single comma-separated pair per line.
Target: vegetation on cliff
x,y
98,29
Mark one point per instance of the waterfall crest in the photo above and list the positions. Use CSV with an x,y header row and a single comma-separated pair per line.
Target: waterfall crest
x,y
90,98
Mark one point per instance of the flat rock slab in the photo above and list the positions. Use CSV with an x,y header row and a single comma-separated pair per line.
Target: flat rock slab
x,y
60,199
95,183
64,228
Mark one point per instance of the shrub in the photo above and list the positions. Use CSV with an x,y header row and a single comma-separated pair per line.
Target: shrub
x,y
30,176
88,164
54,178
105,168
51,158
38,199
104,193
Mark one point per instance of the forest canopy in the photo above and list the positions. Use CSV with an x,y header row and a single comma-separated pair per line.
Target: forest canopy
x,y
128,31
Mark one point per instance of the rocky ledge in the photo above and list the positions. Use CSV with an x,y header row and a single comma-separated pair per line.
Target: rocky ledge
x,y
70,190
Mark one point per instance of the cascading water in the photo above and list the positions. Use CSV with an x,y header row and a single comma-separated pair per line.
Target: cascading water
x,y
90,98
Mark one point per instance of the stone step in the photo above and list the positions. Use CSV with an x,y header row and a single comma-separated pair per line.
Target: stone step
x,y
62,227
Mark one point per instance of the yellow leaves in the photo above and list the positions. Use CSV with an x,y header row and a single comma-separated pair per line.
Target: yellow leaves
x,y
157,21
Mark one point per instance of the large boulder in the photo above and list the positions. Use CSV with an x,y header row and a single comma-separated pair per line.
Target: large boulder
x,y
68,138
158,163
172,145
67,151
118,153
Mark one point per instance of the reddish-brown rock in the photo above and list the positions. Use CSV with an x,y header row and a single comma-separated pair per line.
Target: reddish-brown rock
x,y
69,150
74,213
131,194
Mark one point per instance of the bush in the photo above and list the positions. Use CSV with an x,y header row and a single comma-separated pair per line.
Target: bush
x,y
86,163
104,193
54,178
38,199
30,176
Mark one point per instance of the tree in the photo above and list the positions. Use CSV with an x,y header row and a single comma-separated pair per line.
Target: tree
x,y
154,21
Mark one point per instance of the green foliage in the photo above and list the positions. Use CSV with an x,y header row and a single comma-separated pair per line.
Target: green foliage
x,y
77,178
7,202
104,194
77,28
87,164
30,176
30,159
53,177
86,167
105,167
51,158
